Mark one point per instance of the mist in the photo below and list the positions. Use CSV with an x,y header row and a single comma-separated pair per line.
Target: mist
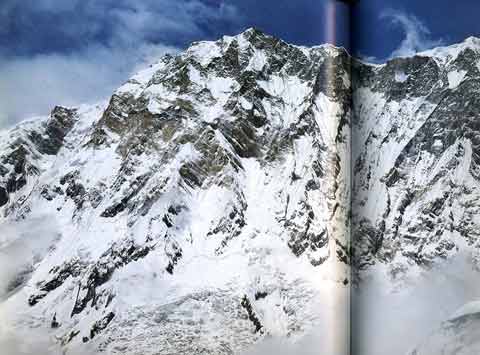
x,y
395,321
329,336
309,345
22,244
46,80
37,341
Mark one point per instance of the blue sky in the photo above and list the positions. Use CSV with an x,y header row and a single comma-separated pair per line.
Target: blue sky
x,y
381,27
72,51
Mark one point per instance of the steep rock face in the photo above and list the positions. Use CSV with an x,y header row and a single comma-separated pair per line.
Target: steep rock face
x,y
27,150
415,139
204,207
415,156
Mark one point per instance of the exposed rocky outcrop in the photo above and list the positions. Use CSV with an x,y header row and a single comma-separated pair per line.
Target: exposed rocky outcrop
x,y
206,177
415,139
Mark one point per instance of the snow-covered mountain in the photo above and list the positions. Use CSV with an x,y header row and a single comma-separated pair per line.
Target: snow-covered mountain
x,y
206,206
416,189
203,208
416,140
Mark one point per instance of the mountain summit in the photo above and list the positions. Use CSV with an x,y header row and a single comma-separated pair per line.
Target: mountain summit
x,y
206,205
202,208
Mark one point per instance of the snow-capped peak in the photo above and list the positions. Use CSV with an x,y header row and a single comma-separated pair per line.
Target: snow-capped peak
x,y
207,199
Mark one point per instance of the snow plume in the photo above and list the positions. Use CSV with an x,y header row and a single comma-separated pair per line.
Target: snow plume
x,y
330,335
22,244
395,321
417,35
37,343
309,345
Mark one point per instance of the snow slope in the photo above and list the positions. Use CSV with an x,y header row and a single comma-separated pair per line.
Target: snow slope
x,y
416,189
202,209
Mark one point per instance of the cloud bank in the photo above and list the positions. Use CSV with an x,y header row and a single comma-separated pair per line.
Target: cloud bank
x,y
395,321
70,52
34,85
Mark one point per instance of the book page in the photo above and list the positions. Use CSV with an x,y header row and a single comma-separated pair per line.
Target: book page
x,y
415,178
175,177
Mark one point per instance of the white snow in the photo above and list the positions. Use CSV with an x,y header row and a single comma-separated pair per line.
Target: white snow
x,y
217,269
204,52
455,78
258,61
400,76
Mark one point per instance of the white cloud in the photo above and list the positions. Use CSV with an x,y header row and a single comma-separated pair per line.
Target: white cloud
x,y
417,35
32,86
368,58
22,244
309,345
388,319
117,38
